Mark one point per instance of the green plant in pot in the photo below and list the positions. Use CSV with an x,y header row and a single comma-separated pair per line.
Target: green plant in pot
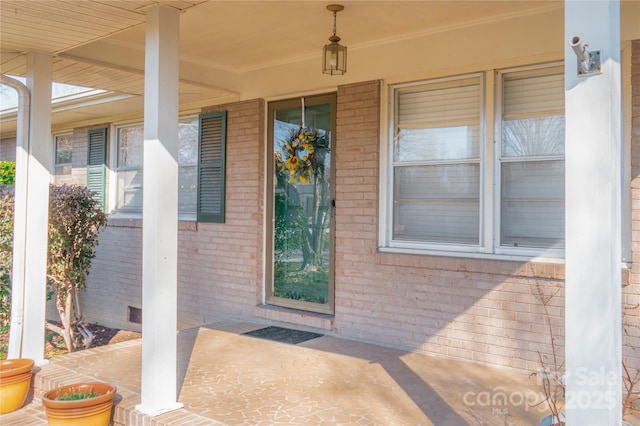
x,y
80,404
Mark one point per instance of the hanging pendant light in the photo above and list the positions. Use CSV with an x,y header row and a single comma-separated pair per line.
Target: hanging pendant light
x,y
334,56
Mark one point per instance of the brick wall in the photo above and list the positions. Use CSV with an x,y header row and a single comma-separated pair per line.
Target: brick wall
x,y
219,265
631,293
475,310
486,311
222,269
114,282
8,149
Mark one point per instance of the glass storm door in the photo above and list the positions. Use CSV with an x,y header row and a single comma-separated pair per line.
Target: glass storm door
x,y
300,179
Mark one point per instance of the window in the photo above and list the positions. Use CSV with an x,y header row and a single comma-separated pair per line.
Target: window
x,y
451,189
531,159
436,162
129,170
63,153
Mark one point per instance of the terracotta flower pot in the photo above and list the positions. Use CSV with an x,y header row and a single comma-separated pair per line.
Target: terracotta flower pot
x,y
94,411
15,381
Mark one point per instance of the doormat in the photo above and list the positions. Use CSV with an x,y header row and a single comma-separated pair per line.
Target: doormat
x,y
283,335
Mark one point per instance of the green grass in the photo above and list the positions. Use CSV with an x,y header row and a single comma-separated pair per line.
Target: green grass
x,y
75,396
308,286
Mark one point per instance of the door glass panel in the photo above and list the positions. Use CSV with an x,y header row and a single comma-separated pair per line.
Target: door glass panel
x,y
302,206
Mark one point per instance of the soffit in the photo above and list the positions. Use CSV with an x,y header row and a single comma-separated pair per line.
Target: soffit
x,y
240,36
100,43
235,36
59,25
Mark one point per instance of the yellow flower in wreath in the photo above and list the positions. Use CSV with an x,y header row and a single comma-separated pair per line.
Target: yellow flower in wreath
x,y
292,162
299,153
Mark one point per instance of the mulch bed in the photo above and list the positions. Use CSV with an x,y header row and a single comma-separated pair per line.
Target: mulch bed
x,y
54,344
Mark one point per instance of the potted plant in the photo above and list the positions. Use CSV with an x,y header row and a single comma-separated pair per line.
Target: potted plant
x,y
80,404
15,381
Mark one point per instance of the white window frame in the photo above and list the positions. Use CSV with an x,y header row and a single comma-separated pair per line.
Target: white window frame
x,y
113,173
114,188
490,191
55,155
528,252
431,247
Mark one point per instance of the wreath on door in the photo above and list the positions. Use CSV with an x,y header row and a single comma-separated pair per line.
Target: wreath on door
x,y
300,154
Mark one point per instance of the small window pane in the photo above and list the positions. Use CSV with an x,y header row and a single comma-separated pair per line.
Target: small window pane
x,y
440,102
188,142
443,143
130,191
439,203
63,154
187,189
533,204
528,137
64,146
528,93
130,143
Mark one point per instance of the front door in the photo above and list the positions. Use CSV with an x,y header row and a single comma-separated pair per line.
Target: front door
x,y
300,182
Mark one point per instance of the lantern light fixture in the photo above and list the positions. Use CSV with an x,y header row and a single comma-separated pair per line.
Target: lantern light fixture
x,y
334,55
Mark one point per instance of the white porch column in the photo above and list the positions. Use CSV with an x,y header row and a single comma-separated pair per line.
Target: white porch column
x,y
33,164
593,221
160,213
19,219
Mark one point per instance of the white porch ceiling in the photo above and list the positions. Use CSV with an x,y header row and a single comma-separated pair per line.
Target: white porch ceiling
x,y
100,43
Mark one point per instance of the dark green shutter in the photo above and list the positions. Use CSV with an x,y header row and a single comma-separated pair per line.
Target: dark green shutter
x,y
211,166
97,162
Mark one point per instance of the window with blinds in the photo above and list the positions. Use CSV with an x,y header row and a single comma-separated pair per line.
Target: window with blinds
x,y
531,159
436,162
129,167
483,184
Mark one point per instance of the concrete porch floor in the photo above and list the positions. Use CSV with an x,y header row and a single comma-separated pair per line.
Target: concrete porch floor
x,y
226,378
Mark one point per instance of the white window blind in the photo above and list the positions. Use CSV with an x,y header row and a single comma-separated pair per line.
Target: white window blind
x,y
440,102
436,167
528,95
532,159
129,167
437,203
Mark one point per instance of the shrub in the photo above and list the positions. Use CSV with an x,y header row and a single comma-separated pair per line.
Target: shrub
x,y
75,219
7,172
6,252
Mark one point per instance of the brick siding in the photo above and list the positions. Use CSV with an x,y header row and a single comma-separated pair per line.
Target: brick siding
x,y
475,310
8,149
631,293
486,311
219,267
